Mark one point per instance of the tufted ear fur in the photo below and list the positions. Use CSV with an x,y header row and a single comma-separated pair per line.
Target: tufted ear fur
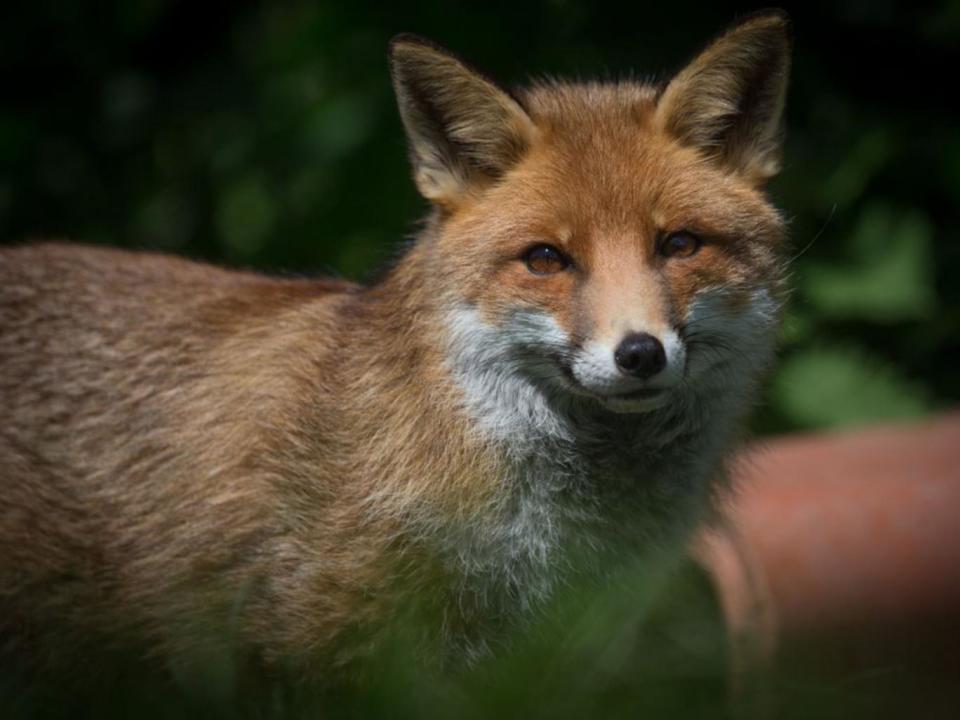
x,y
462,129
729,101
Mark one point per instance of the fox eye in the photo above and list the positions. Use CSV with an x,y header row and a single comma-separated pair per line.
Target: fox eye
x,y
545,260
679,245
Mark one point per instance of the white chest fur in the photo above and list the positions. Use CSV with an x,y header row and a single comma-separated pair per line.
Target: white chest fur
x,y
582,479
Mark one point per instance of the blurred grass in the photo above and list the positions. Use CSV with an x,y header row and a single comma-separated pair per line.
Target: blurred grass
x,y
650,644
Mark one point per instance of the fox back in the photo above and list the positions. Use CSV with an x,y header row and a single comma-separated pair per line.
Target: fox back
x,y
196,461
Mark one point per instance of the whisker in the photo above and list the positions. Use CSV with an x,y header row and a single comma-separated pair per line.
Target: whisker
x,y
816,237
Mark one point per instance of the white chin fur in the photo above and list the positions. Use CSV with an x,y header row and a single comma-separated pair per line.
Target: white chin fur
x,y
513,384
596,372
506,373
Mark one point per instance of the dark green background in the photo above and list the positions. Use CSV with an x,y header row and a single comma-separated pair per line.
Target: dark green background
x,y
265,135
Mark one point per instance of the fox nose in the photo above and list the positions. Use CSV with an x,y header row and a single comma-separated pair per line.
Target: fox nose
x,y
640,355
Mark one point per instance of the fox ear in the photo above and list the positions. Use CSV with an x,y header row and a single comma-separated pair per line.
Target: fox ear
x,y
729,101
461,127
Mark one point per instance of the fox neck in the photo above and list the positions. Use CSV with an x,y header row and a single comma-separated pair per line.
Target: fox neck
x,y
576,473
523,484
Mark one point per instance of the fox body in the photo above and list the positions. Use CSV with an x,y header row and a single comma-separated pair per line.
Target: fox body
x,y
194,458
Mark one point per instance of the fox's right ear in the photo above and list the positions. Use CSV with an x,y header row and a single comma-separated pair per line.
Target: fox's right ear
x,y
729,101
463,130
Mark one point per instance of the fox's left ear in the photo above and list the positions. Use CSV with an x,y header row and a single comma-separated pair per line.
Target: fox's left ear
x,y
729,101
463,130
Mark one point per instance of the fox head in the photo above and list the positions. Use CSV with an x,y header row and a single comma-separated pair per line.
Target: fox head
x,y
606,243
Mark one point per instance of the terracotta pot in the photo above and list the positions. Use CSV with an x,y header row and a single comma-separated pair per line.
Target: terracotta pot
x,y
839,558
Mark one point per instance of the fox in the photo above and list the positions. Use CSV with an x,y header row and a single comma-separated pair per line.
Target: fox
x,y
550,376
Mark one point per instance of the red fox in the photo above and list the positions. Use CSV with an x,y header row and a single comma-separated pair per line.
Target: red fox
x,y
194,458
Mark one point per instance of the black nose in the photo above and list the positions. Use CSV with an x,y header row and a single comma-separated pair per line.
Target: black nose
x,y
640,355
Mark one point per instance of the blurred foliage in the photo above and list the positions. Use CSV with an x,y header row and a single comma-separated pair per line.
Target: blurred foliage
x,y
265,135
650,644
631,651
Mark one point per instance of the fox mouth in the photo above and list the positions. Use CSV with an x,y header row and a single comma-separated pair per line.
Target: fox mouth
x,y
639,394
644,393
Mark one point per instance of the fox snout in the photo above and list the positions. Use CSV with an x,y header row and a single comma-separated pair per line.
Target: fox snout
x,y
632,373
640,355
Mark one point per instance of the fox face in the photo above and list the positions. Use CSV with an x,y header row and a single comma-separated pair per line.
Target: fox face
x,y
606,245
626,274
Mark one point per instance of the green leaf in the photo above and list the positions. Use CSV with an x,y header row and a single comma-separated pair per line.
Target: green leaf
x,y
835,387
245,216
847,183
890,277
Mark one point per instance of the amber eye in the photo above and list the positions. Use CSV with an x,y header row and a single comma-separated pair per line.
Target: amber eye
x,y
679,245
545,260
